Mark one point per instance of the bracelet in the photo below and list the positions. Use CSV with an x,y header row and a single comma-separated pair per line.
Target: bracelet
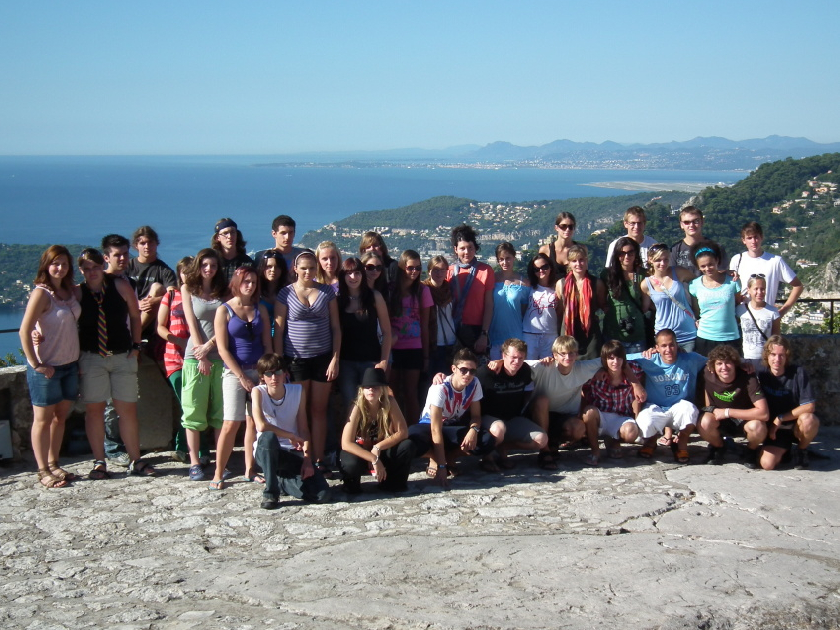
x,y
727,412
375,461
474,428
376,446
441,466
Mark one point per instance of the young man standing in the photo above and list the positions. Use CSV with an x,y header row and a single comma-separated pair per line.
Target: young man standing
x,y
734,403
282,448
691,222
756,262
472,291
115,253
152,277
635,220
283,232
671,383
506,394
451,420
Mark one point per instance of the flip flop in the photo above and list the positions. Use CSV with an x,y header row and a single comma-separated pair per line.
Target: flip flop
x,y
257,478
665,441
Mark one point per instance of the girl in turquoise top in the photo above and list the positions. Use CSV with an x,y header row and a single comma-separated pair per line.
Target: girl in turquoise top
x,y
510,295
716,296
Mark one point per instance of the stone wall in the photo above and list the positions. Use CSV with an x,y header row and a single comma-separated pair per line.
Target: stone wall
x,y
158,408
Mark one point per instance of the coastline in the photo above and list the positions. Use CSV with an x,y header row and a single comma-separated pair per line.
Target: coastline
x,y
689,187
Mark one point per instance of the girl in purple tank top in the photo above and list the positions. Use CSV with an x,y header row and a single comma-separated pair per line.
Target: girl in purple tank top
x,y
243,335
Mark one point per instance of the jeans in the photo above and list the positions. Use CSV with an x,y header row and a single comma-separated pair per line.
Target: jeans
x,y
350,375
113,442
281,469
397,462
453,435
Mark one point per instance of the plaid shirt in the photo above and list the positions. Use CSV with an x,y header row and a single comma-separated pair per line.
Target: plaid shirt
x,y
611,398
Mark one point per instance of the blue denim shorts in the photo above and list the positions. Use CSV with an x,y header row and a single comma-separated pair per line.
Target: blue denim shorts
x,y
64,385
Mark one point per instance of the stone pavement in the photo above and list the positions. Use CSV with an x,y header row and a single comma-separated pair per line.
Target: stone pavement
x,y
631,544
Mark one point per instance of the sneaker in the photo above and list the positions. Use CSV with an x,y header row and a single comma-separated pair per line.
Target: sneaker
x,y
180,456
120,459
204,460
353,486
750,459
270,503
196,473
716,455
802,460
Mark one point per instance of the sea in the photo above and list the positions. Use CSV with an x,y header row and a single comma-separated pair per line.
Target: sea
x,y
79,199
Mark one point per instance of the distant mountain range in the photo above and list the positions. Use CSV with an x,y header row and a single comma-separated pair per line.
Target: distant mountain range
x,y
710,153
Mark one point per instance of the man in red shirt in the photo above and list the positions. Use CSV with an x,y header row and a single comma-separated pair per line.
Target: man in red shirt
x,y
472,291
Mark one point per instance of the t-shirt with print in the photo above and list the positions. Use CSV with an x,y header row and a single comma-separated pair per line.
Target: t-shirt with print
x,y
405,328
453,404
504,395
753,340
741,393
669,383
786,392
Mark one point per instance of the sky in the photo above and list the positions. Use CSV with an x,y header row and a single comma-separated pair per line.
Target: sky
x,y
189,77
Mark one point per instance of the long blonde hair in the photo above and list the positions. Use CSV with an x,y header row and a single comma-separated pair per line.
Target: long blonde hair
x,y
382,420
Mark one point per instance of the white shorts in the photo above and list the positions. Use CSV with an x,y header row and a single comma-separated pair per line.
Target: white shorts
x,y
236,401
611,423
653,419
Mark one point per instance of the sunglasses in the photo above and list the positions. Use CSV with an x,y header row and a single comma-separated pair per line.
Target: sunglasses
x,y
465,370
627,252
373,267
757,275
565,226
273,373
541,269
692,222
412,268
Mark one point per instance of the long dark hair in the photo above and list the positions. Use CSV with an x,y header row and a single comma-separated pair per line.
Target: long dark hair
x,y
534,277
415,289
282,270
615,274
368,301
218,285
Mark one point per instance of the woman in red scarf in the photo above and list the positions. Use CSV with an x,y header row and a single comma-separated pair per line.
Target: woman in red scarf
x,y
583,295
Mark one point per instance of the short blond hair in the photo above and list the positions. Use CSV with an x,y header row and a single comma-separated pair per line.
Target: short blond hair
x,y
564,343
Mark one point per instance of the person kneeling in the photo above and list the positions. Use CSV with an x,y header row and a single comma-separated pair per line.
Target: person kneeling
x,y
443,429
283,446
735,404
611,404
375,438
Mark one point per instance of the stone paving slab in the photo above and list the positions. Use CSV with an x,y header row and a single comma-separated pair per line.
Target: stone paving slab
x,y
630,544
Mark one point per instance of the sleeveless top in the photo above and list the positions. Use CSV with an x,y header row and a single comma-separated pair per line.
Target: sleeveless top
x,y
668,314
281,414
205,314
245,338
541,314
173,356
116,319
60,344
308,333
359,336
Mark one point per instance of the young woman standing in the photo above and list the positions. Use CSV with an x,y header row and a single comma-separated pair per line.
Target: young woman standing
x,y
329,262
540,325
717,295
624,316
243,334
308,333
759,320
201,394
664,287
410,305
510,296
558,249
582,296
52,370
441,325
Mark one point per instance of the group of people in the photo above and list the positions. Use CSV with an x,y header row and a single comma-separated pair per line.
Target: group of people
x,y
507,361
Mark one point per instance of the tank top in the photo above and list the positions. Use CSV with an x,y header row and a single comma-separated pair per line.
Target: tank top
x,y
308,332
668,314
205,314
60,344
359,336
116,318
281,414
245,338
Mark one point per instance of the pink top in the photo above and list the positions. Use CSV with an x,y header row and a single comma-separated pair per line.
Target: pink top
x,y
60,344
406,327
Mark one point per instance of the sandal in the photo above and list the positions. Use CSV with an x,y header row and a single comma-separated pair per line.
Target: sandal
x,y
141,469
681,456
59,473
257,478
646,452
99,471
431,471
217,485
665,441
591,460
546,461
614,452
507,463
487,464
48,480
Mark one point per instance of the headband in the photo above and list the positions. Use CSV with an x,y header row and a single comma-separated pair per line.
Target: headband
x,y
704,250
225,223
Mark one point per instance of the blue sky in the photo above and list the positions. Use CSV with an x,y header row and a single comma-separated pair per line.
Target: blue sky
x,y
188,77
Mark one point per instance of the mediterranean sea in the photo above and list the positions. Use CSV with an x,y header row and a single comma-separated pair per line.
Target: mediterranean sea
x,y
80,199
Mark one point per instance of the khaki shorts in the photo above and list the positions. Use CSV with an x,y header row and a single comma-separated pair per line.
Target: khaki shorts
x,y
112,377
